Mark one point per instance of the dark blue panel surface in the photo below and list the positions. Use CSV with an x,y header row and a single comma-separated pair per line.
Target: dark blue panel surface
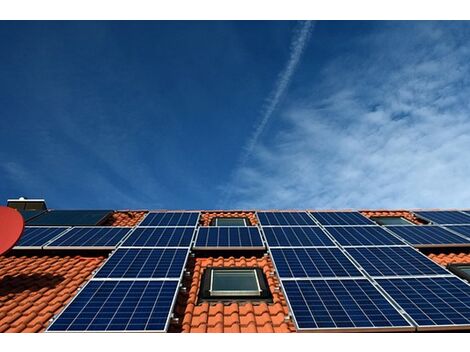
x,y
341,218
70,218
30,214
228,237
363,236
304,236
284,218
340,304
428,235
119,306
144,263
38,236
91,237
431,301
445,217
461,229
395,261
312,262
170,219
160,237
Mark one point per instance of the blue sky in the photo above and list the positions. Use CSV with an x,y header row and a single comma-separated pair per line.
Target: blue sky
x,y
204,115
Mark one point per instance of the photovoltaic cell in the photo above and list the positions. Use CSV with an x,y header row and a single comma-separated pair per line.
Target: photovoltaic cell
x,y
340,304
160,237
363,236
89,237
341,218
228,237
284,218
431,302
144,263
119,306
395,261
461,229
428,235
304,236
445,217
38,236
171,219
312,263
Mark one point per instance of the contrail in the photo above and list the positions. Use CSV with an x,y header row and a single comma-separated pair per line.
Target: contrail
x,y
297,47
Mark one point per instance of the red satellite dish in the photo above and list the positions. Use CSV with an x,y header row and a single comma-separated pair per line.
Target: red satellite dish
x,y
11,228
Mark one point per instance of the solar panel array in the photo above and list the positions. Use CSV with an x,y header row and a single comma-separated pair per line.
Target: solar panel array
x,y
144,263
171,219
228,238
304,236
160,237
394,261
426,235
90,237
339,275
136,288
341,305
270,218
119,306
363,236
432,302
37,237
313,262
445,217
339,270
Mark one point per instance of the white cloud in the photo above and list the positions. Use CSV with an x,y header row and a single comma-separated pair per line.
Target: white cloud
x,y
388,131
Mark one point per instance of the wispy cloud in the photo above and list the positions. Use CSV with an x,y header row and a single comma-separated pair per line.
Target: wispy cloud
x,y
392,130
297,47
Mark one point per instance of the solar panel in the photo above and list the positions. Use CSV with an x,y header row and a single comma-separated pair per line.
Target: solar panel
x,y
363,236
341,218
428,235
70,218
30,214
432,302
341,305
119,306
228,238
90,237
281,218
312,262
160,237
445,217
36,237
395,261
171,219
304,236
461,229
144,263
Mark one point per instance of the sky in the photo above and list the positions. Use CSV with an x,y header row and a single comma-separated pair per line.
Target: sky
x,y
231,115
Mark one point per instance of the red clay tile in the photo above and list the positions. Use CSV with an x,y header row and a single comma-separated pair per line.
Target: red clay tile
x,y
233,316
450,258
125,218
33,289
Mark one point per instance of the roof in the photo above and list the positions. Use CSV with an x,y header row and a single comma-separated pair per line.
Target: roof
x,y
36,285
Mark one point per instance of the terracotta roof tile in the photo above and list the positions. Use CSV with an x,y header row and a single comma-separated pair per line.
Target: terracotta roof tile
x,y
34,289
125,218
450,258
232,316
